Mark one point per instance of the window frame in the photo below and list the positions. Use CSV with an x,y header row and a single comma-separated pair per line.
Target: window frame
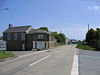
x,y
8,36
15,36
22,36
40,36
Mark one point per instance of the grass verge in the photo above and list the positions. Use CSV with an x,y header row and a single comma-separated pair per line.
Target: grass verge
x,y
4,55
85,47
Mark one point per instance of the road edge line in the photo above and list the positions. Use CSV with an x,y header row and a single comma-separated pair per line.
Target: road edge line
x,y
75,66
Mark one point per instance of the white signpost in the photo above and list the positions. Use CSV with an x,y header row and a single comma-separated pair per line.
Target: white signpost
x,y
2,45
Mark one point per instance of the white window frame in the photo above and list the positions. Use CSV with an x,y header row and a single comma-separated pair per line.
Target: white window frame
x,y
8,36
15,36
40,36
22,36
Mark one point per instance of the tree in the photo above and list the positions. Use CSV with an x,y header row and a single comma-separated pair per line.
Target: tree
x,y
44,28
90,37
98,38
93,38
61,38
55,34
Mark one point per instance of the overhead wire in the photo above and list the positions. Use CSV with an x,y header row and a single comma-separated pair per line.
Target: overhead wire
x,y
11,14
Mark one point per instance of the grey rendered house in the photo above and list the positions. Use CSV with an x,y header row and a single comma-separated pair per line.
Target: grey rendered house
x,y
27,38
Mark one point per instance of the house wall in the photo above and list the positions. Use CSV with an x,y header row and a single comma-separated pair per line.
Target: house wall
x,y
35,37
14,44
51,44
52,41
29,42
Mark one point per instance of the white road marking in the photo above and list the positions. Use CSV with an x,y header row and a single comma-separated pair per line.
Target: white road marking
x,y
75,70
58,51
39,60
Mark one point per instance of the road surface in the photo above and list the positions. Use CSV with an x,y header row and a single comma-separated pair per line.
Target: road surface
x,y
56,61
89,62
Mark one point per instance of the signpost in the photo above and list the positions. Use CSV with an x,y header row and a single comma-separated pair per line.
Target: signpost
x,y
2,46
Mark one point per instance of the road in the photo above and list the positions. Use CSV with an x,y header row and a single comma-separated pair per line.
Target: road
x,y
89,62
56,61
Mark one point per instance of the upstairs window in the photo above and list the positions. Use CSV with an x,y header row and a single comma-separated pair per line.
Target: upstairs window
x,y
9,36
15,36
22,36
40,36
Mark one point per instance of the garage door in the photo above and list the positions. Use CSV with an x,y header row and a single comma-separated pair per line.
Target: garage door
x,y
40,45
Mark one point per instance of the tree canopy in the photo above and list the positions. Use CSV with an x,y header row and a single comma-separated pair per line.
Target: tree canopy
x,y
44,28
93,38
61,38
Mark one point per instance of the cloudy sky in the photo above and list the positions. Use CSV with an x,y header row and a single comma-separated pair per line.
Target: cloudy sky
x,y
70,16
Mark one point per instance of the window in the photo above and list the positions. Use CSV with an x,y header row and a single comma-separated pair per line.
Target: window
x,y
15,36
22,36
9,36
40,36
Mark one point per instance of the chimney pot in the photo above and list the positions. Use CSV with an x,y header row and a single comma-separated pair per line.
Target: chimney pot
x,y
10,25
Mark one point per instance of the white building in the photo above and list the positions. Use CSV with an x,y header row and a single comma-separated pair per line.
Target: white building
x,y
2,45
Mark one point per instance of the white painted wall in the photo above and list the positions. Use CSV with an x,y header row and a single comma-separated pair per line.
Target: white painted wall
x,y
23,46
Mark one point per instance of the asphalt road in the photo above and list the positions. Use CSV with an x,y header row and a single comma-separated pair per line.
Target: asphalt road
x,y
57,61
89,62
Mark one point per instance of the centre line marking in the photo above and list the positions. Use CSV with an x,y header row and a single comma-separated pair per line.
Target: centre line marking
x,y
39,60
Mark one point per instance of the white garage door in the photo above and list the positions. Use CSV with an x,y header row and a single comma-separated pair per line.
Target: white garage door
x,y
40,45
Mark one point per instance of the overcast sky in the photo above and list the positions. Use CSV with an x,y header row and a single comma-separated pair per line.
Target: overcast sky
x,y
70,16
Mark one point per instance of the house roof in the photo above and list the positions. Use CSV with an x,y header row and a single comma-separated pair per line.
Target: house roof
x,y
38,31
17,29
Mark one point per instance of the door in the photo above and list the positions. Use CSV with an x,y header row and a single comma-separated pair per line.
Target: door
x,y
23,46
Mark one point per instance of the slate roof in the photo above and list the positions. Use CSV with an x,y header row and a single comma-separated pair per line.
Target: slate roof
x,y
38,31
17,29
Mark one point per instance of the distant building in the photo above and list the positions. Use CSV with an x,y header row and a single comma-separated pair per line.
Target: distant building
x,y
73,41
27,38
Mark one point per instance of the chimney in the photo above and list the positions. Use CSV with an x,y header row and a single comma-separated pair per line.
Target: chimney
x,y
10,25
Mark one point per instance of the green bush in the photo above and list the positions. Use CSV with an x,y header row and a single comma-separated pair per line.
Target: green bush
x,y
85,47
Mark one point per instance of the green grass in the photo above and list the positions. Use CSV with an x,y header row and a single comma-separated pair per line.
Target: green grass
x,y
85,47
4,55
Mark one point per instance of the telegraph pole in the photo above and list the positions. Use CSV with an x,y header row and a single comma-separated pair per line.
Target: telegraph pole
x,y
88,27
60,31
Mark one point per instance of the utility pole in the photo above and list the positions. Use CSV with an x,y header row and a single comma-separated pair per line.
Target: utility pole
x,y
60,31
88,27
